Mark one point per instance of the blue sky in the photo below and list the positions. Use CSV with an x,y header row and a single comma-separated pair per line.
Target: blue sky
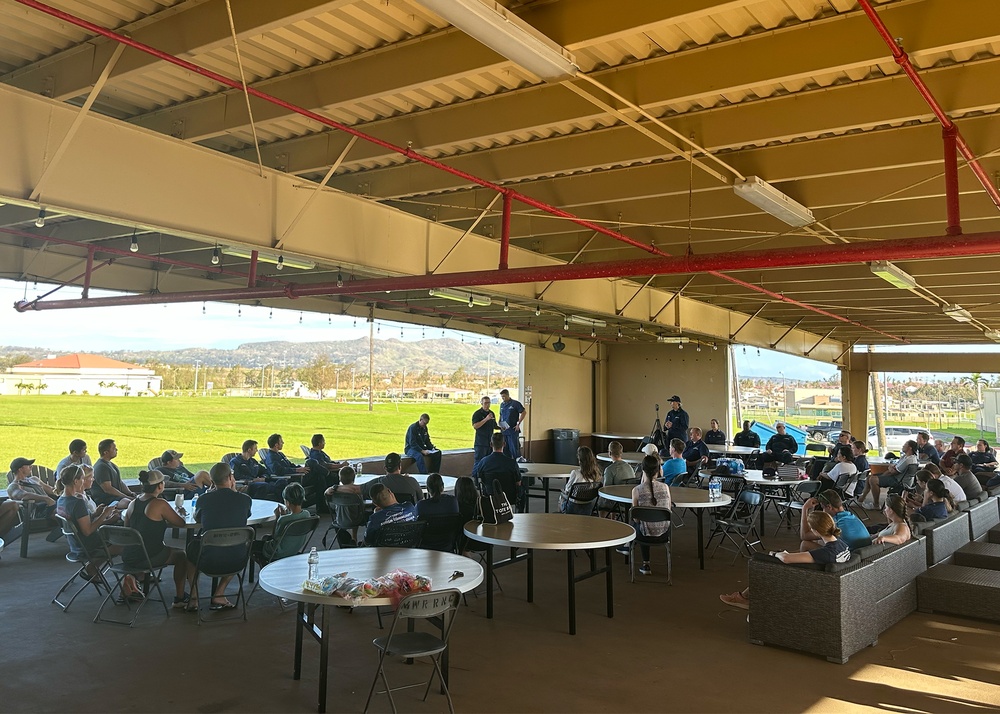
x,y
226,326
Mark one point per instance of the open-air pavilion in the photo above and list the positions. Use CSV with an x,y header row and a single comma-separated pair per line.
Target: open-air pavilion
x,y
625,189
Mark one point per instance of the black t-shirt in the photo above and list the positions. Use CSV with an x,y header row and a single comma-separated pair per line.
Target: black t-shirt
x,y
484,432
502,468
782,442
715,436
747,438
223,508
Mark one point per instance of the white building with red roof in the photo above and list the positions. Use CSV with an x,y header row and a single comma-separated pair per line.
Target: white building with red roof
x,y
80,374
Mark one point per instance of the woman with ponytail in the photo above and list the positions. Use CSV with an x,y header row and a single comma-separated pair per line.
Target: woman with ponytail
x,y
654,493
898,530
939,502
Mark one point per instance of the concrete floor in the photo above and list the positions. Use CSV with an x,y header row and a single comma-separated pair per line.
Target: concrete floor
x,y
668,648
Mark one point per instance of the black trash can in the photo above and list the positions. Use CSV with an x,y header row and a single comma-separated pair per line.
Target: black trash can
x,y
565,442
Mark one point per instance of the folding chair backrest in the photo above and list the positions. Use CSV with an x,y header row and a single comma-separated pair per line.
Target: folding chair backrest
x,y
808,488
225,542
630,482
226,458
859,487
348,509
76,544
584,492
122,536
305,450
44,474
751,498
406,534
405,498
299,528
732,484
424,605
649,514
442,531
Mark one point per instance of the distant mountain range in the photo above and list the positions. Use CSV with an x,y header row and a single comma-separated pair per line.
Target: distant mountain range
x,y
438,356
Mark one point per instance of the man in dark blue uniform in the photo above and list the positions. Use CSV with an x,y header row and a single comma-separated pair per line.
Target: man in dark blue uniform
x,y
511,414
676,421
419,447
484,421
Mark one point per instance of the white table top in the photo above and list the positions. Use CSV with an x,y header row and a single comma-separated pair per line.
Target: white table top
x,y
684,497
629,457
735,450
261,511
284,577
630,437
756,476
553,531
550,470
449,481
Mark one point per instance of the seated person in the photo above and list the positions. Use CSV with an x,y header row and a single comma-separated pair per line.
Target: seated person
x,y
956,491
223,507
500,467
695,451
747,437
178,475
151,515
939,503
984,460
898,530
618,471
829,548
276,547
675,468
586,472
77,455
650,492
278,464
850,526
893,475
418,446
925,449
956,448
844,474
438,503
780,442
859,450
939,447
72,506
255,475
346,477
404,487
37,496
108,487
322,463
387,510
964,477
345,516
715,435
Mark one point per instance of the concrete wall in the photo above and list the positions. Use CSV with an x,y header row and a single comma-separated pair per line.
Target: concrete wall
x,y
562,397
639,377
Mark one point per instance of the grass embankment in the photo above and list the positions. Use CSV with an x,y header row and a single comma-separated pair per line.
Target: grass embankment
x,y
41,427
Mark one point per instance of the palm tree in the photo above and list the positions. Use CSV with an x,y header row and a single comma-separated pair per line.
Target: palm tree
x,y
977,381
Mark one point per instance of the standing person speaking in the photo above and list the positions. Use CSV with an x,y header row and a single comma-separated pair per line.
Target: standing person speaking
x,y
512,413
484,421
676,421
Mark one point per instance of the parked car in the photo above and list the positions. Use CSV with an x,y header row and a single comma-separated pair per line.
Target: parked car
x,y
895,437
820,431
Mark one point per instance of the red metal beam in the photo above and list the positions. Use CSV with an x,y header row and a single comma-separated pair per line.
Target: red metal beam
x,y
903,60
409,153
505,232
839,254
951,181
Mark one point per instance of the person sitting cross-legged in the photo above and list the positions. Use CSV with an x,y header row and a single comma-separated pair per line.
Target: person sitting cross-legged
x,y
831,549
387,510
35,493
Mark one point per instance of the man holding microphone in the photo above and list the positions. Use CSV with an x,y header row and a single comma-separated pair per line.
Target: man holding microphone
x,y
484,421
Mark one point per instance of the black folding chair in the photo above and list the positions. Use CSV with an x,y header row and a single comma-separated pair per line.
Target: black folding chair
x,y
794,500
405,534
441,605
639,515
130,538
81,557
582,498
223,552
739,525
442,532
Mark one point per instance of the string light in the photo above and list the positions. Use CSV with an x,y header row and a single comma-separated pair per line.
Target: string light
x,y
340,279
216,257
239,311
714,347
698,348
506,306
270,314
281,262
680,345
133,247
203,308
329,320
565,323
593,332
472,303
538,311
619,331
300,318
40,221
642,329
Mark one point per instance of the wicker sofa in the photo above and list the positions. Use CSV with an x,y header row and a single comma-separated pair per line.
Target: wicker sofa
x,y
834,610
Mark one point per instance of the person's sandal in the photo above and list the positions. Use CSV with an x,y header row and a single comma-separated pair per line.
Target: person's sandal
x,y
181,602
215,606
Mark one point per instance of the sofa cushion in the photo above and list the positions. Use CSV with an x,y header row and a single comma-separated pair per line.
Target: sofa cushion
x,y
869,551
963,505
852,562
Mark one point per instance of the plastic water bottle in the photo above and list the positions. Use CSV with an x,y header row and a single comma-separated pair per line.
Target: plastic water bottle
x,y
313,564
714,487
194,504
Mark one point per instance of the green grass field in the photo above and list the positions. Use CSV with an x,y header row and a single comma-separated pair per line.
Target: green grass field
x,y
41,427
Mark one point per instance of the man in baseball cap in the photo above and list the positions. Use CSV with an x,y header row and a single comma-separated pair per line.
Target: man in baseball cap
x,y
179,476
34,492
676,421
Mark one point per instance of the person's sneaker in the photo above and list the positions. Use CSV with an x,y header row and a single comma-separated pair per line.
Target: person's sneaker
x,y
736,600
623,549
644,569
521,460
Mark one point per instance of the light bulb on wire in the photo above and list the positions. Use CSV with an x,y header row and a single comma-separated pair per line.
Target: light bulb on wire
x,y
565,323
281,262
340,279
538,311
133,247
40,221
216,257
506,306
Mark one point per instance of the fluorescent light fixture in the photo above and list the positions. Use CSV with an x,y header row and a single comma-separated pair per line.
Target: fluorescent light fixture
x,y
588,321
508,35
957,313
672,339
893,275
269,257
470,299
766,197
992,335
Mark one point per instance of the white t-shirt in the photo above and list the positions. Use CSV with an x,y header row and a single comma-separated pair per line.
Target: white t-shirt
x,y
845,475
953,488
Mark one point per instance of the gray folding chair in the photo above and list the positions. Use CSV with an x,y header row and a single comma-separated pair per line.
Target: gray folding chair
x,y
347,513
442,606
224,552
130,538
81,556
300,528
794,500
